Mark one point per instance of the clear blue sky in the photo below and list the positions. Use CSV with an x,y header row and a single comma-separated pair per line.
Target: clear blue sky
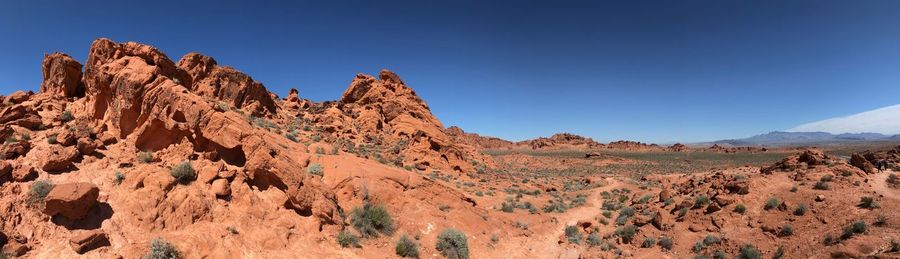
x,y
657,71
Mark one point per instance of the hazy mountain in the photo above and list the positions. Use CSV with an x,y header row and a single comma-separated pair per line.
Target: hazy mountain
x,y
781,138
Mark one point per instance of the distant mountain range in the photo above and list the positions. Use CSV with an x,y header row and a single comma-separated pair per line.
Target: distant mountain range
x,y
782,138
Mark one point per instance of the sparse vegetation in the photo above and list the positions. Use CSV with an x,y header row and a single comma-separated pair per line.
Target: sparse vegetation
x,y
66,116
821,186
347,239
700,201
740,208
626,233
184,172
867,202
800,210
749,252
772,203
39,190
52,139
370,220
452,244
145,157
666,243
118,178
315,169
594,239
162,249
858,227
893,179
648,242
573,234
786,230
407,248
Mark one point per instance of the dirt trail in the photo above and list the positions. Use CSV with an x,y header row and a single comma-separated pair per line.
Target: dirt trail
x,y
544,244
880,185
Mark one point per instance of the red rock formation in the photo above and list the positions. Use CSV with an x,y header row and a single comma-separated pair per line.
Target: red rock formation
x,y
226,84
71,200
62,76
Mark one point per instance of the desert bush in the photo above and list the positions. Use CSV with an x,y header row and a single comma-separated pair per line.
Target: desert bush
x,y
573,234
711,240
607,214
508,207
648,242
452,244
407,248
162,249
894,246
66,116
794,188
52,139
893,179
371,219
315,169
749,252
779,253
118,178
826,178
291,136
821,186
666,243
320,150
786,230
740,208
772,203
880,221
867,202
39,190
184,172
594,239
700,201
626,233
145,157
800,210
347,239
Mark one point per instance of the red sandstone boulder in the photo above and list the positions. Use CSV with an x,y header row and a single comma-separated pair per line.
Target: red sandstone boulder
x,y
58,159
71,200
62,76
87,240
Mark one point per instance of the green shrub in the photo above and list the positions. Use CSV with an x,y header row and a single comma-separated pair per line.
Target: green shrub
x,y
508,207
39,190
772,203
826,178
749,252
821,186
66,116
666,243
719,254
867,202
893,179
291,136
701,201
52,139
711,240
119,177
320,150
162,249
800,210
184,172
607,214
347,239
740,208
315,169
145,157
626,233
370,220
786,230
452,244
895,246
794,188
648,242
594,239
858,227
573,234
407,248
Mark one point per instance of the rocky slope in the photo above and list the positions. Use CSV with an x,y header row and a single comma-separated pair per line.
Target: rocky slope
x,y
135,147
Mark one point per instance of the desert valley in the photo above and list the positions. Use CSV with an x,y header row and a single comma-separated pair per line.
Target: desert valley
x,y
132,154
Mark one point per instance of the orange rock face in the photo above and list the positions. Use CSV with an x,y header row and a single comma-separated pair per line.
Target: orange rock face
x,y
62,76
71,200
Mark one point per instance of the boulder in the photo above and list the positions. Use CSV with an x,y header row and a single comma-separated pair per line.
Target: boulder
x,y
226,84
87,146
17,97
5,171
13,150
58,159
860,162
738,186
221,188
71,200
661,220
87,240
62,75
24,173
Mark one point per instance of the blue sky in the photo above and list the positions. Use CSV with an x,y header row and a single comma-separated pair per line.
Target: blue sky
x,y
657,71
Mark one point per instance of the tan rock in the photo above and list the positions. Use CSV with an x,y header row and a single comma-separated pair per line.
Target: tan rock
x,y
221,188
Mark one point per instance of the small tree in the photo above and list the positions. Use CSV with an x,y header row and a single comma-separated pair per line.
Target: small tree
x,y
452,244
